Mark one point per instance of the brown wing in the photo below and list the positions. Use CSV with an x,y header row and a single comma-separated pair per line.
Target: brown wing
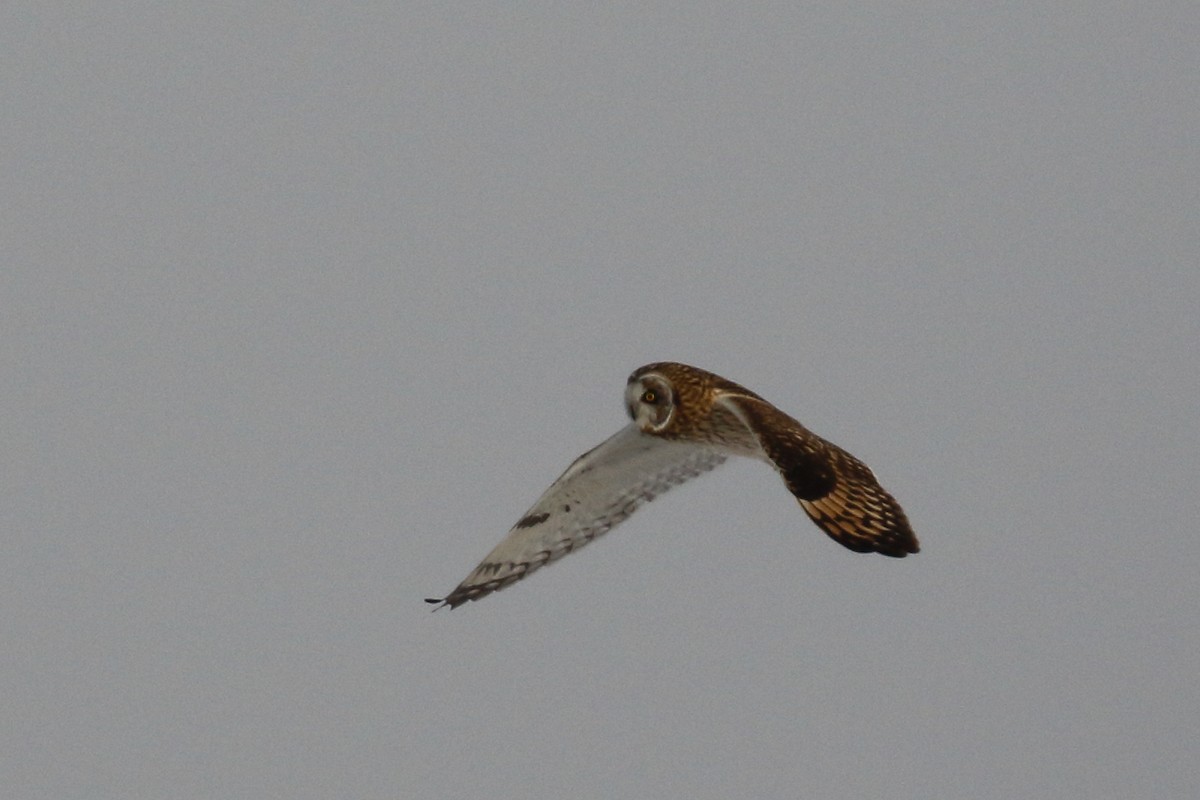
x,y
837,491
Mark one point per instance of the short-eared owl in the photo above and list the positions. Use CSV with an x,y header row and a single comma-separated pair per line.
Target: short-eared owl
x,y
687,421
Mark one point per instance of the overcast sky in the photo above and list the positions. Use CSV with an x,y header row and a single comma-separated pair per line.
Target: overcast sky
x,y
303,307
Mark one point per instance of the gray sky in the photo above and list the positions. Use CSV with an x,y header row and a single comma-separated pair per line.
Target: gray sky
x,y
303,308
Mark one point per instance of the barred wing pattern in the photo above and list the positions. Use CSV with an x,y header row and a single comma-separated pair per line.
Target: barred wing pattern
x,y
837,491
596,493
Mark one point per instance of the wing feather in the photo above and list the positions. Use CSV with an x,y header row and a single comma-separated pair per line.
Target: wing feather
x,y
595,494
837,491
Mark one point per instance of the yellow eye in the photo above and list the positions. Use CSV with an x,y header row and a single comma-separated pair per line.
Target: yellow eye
x,y
649,396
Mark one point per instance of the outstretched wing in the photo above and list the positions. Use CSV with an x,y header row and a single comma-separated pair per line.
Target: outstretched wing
x,y
596,493
835,489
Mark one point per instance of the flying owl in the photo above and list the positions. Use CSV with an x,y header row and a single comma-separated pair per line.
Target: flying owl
x,y
685,422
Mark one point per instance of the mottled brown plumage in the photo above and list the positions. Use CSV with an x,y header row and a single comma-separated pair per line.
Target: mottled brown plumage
x,y
686,421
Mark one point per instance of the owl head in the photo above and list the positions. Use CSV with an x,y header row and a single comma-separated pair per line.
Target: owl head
x,y
676,401
650,400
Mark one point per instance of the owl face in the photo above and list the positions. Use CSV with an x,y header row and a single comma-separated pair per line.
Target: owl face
x,y
650,401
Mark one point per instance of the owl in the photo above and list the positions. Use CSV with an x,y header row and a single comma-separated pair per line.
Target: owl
x,y
685,422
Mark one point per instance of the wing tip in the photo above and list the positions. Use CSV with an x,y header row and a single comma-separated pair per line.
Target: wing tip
x,y
451,601
889,549
903,551
894,541
899,546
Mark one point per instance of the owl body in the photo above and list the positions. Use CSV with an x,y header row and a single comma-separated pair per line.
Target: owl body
x,y
687,421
